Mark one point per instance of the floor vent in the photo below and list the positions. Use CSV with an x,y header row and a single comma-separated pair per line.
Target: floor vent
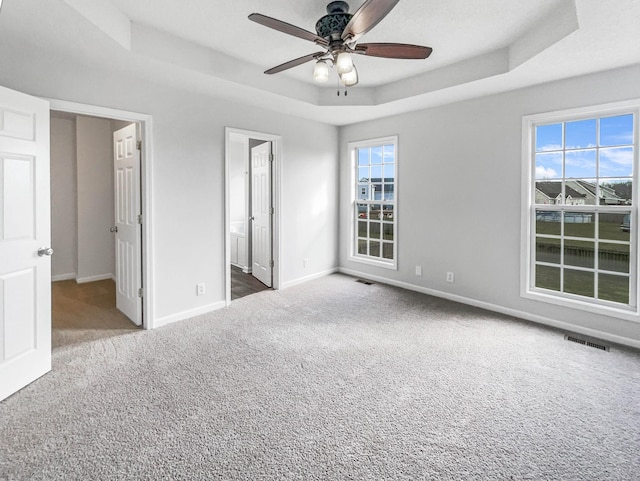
x,y
365,282
584,342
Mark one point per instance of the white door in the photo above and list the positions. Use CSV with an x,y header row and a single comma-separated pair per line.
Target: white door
x,y
261,213
25,234
126,161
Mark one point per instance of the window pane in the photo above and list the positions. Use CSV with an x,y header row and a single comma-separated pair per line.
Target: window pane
x,y
548,222
616,130
616,162
580,134
613,257
548,277
388,192
615,226
362,211
377,191
388,213
362,247
548,193
613,288
548,250
363,192
387,231
580,224
389,173
387,250
579,253
363,174
363,156
376,173
362,229
376,155
580,192
548,137
374,230
579,282
389,154
374,248
580,164
374,211
617,191
549,165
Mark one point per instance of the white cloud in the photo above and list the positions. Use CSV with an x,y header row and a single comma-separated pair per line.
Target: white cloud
x,y
545,172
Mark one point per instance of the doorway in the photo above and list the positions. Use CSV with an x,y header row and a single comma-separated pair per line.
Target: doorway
x,y
252,193
96,257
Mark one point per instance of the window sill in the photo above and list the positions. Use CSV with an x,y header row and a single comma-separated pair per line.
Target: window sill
x,y
629,313
373,262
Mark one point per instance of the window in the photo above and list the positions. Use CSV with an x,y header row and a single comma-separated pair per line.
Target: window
x,y
580,232
374,201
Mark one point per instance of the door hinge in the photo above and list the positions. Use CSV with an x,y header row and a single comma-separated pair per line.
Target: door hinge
x,y
271,263
139,144
271,157
141,292
139,218
272,210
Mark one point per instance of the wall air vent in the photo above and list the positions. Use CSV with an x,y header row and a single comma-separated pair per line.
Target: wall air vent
x,y
585,342
365,282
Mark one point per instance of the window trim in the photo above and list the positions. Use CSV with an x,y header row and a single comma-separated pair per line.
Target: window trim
x,y
527,260
353,183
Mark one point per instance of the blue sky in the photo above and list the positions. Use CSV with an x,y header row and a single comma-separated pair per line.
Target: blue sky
x,y
581,144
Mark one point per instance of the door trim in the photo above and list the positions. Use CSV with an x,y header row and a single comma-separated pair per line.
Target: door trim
x,y
146,195
276,178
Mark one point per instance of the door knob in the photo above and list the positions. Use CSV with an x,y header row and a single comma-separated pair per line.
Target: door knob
x,y
45,251
114,228
252,218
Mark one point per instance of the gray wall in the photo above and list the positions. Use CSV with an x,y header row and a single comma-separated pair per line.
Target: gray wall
x,y
188,173
459,195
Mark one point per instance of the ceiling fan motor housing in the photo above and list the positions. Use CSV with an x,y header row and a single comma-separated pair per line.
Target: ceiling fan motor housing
x,y
333,24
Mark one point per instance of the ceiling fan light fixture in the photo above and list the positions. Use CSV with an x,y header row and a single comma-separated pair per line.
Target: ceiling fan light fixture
x,y
344,63
350,79
321,72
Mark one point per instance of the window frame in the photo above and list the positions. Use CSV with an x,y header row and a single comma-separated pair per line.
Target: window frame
x,y
529,207
352,148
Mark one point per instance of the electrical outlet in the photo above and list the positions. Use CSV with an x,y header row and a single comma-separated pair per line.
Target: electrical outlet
x,y
201,289
450,277
419,271
305,262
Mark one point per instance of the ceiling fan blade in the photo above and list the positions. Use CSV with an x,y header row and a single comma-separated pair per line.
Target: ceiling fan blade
x,y
367,17
287,28
294,63
393,50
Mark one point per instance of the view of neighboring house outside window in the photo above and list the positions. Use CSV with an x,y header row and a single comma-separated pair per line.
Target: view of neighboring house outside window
x,y
580,212
374,166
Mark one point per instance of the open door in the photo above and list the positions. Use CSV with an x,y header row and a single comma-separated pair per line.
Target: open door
x,y
261,214
25,236
128,229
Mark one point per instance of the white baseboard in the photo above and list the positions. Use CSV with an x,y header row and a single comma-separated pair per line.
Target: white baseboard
x,y
302,280
102,277
63,277
565,326
181,316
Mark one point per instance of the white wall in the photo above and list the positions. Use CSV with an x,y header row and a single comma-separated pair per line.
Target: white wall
x,y
459,194
64,223
188,173
96,249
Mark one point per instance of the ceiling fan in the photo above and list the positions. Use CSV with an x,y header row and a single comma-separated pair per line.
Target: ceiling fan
x,y
338,33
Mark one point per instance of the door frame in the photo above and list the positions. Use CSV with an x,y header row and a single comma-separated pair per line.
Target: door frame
x,y
276,182
146,195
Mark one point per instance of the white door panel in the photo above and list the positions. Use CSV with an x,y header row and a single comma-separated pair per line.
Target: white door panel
x,y
129,233
25,277
261,224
